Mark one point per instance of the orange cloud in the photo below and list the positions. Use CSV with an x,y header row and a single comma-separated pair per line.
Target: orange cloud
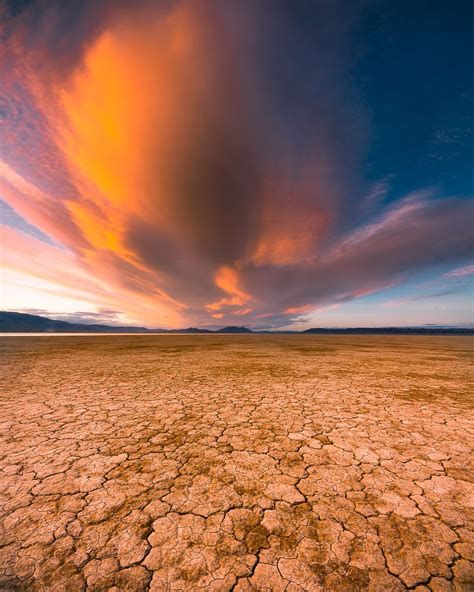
x,y
165,183
299,309
121,109
59,272
296,216
126,121
227,279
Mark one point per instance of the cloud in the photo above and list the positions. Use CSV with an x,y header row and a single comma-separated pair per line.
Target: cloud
x,y
426,296
102,316
414,234
189,170
50,271
460,272
11,218
376,194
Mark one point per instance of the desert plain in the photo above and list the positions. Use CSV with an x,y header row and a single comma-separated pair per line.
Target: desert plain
x,y
217,463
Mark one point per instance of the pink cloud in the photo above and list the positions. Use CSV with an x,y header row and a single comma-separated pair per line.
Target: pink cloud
x,y
460,272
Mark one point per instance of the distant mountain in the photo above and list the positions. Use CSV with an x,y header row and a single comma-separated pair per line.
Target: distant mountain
x,y
25,323
392,331
232,329
18,322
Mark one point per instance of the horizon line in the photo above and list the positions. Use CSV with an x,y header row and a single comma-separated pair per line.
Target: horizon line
x,y
233,329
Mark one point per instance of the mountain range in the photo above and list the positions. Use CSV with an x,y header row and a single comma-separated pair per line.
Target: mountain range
x,y
16,322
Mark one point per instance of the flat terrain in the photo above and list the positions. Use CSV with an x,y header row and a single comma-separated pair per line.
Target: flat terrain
x,y
237,463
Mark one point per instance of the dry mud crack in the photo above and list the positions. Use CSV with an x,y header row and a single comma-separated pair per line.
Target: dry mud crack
x,y
218,463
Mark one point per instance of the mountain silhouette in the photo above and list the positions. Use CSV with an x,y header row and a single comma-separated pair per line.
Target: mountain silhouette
x,y
18,322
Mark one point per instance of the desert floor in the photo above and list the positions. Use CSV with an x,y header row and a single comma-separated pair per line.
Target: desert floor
x,y
237,463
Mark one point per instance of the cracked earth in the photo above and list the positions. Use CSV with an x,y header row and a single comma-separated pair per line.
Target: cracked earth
x,y
219,463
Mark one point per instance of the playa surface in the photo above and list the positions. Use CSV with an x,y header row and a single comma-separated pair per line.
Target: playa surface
x,y
316,463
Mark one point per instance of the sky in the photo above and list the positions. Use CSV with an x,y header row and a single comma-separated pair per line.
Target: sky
x,y
267,163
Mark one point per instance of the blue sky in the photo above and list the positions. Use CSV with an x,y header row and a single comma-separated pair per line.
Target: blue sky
x,y
416,79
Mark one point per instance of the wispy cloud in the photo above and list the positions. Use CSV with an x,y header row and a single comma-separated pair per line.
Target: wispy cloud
x,y
102,316
460,272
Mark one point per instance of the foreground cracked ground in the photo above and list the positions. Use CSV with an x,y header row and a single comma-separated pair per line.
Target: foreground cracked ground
x,y
237,463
